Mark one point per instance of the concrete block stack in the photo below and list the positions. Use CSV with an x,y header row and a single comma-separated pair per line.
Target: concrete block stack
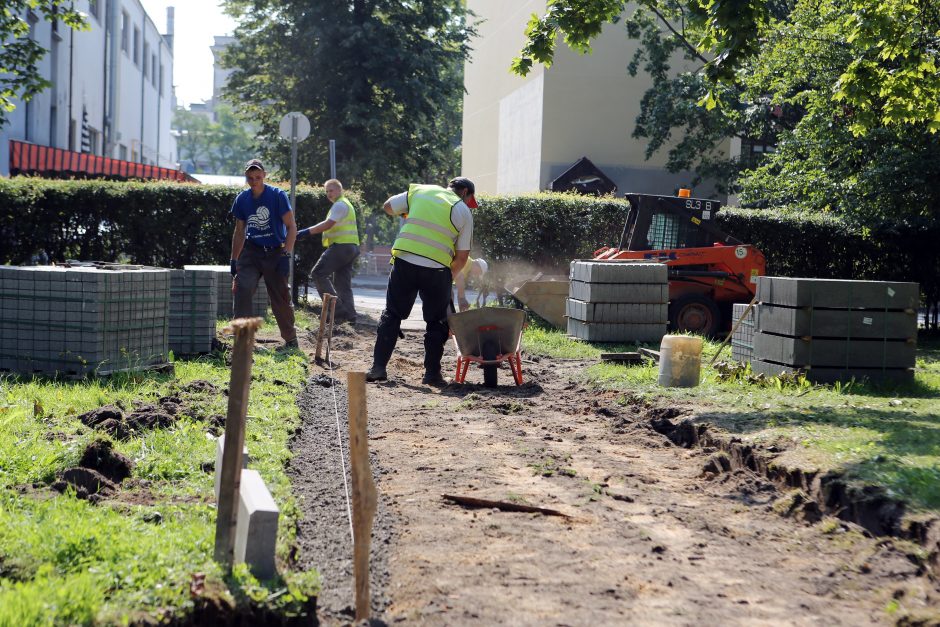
x,y
618,301
193,307
742,342
836,330
225,300
76,321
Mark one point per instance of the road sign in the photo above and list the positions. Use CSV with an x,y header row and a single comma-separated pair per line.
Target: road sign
x,y
294,131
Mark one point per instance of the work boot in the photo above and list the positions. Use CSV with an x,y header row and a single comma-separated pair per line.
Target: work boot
x,y
289,345
376,374
434,379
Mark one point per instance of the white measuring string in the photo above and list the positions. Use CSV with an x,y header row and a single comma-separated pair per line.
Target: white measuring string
x,y
339,433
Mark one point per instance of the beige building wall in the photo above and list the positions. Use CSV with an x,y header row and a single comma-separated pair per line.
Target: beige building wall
x,y
521,133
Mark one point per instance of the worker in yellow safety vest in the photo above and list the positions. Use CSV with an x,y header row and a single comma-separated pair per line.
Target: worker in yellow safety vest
x,y
333,271
430,251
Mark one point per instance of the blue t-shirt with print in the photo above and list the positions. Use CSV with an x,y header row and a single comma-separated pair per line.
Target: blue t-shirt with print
x,y
263,216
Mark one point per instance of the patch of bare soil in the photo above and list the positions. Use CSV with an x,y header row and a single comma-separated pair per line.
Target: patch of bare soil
x,y
100,471
658,533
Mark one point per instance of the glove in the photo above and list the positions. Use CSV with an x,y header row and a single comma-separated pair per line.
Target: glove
x,y
464,304
303,233
234,266
283,265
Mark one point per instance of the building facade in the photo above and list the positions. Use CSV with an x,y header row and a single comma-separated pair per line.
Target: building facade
x,y
112,87
520,134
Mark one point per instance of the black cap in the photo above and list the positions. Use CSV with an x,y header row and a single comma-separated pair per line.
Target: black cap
x,y
254,163
465,183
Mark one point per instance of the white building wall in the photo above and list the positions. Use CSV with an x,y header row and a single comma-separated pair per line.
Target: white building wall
x,y
85,75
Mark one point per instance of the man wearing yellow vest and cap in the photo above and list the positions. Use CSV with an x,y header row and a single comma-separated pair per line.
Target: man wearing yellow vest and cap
x,y
431,249
340,249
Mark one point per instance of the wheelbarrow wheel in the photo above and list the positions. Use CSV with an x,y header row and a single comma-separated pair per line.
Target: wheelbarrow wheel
x,y
488,351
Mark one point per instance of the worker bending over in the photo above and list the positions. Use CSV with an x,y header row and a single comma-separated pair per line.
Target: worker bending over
x,y
431,249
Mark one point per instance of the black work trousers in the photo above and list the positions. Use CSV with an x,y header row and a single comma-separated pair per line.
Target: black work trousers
x,y
255,262
406,282
333,273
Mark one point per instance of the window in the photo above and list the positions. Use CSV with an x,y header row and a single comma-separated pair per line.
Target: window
x,y
122,152
125,30
136,46
94,9
146,58
153,69
93,137
161,79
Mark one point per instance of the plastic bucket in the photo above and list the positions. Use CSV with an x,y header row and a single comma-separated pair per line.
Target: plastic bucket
x,y
680,361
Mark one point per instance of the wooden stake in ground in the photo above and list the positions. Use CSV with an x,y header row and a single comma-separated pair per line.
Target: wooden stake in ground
x,y
364,495
230,476
327,312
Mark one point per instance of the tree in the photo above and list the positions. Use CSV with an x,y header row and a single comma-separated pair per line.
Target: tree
x,y
223,145
382,78
891,79
20,55
831,155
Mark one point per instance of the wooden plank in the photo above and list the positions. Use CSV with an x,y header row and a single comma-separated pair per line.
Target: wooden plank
x,y
630,357
841,353
838,293
650,353
227,511
839,323
363,489
471,501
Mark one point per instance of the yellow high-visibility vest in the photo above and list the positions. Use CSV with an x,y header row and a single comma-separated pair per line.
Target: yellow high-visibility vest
x,y
428,230
344,231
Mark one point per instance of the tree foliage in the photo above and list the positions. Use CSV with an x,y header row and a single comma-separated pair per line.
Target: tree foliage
x,y
870,156
220,146
892,76
20,54
382,78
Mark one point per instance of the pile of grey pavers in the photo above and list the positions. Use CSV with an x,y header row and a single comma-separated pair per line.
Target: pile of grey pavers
x,y
617,301
836,330
83,319
742,340
225,299
193,310
256,518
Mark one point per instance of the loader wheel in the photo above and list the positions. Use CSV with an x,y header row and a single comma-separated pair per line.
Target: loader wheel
x,y
489,350
696,314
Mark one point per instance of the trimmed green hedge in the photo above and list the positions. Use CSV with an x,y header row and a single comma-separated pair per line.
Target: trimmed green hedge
x,y
172,224
159,224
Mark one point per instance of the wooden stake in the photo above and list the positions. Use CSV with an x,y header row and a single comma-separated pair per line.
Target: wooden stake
x,y
327,311
364,496
329,329
230,476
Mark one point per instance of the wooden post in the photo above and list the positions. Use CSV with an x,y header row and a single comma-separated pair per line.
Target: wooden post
x,y
364,496
326,322
227,509
329,330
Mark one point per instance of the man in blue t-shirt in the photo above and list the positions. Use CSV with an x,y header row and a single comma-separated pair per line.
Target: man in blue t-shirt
x,y
264,237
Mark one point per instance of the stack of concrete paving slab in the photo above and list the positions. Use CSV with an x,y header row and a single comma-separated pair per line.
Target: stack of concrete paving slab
x,y
193,307
75,321
225,300
836,330
618,301
742,342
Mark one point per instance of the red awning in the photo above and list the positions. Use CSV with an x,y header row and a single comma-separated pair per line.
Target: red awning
x,y
54,162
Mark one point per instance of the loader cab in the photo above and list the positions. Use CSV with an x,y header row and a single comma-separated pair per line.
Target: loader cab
x,y
670,222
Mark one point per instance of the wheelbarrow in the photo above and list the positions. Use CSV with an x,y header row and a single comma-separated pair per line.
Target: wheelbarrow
x,y
488,336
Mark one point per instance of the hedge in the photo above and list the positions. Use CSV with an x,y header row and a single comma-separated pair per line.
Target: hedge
x,y
172,224
160,224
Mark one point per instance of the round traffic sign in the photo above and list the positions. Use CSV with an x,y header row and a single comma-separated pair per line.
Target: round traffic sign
x,y
292,131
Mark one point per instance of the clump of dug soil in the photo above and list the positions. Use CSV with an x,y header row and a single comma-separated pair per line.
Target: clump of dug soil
x,y
98,474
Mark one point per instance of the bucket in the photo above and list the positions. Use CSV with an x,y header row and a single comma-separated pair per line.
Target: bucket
x,y
680,361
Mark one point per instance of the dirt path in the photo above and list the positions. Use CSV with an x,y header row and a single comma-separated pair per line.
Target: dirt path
x,y
650,539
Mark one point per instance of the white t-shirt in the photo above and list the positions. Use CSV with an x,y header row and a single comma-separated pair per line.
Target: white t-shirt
x,y
338,211
460,216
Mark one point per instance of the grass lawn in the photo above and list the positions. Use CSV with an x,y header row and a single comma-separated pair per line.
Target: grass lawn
x,y
64,560
885,435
